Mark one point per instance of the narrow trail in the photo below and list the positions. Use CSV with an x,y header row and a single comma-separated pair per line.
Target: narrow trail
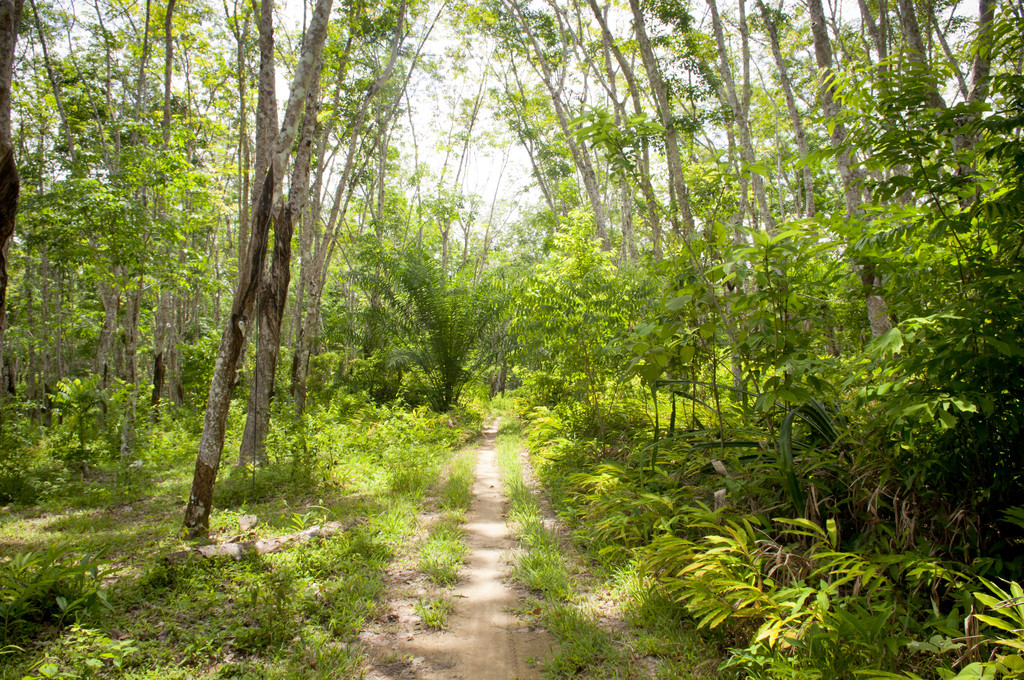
x,y
484,640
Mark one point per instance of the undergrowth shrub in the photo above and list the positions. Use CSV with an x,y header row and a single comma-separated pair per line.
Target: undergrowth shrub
x,y
796,605
56,585
86,653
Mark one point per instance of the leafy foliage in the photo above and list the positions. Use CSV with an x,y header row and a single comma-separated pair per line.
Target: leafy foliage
x,y
54,584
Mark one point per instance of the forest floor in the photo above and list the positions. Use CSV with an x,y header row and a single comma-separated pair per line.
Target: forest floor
x,y
450,566
485,637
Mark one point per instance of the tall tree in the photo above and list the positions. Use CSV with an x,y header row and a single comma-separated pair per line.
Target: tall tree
x,y
211,444
877,309
553,72
10,184
315,262
794,115
680,193
273,292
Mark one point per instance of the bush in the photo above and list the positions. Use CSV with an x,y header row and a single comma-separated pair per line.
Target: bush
x,y
37,587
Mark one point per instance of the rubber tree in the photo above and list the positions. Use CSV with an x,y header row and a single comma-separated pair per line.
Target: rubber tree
x,y
10,185
877,310
274,293
550,63
681,213
315,260
211,443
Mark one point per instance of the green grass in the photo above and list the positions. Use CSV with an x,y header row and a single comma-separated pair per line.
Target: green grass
x,y
434,612
458,489
292,614
443,553
585,648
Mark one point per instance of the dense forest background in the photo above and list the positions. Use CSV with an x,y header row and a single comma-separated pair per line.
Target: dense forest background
x,y
752,269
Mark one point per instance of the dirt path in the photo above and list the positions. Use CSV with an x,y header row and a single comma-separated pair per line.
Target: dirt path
x,y
485,640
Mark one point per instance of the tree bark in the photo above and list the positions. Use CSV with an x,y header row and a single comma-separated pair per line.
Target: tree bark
x,y
168,70
740,106
162,323
663,100
652,206
131,346
55,86
266,101
877,310
315,275
10,183
580,155
211,444
794,115
274,292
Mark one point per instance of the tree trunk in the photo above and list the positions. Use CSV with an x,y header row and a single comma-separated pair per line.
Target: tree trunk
x,y
740,106
168,70
161,349
794,115
652,207
55,86
131,346
877,311
274,293
10,184
314,277
110,299
266,104
211,444
580,155
663,100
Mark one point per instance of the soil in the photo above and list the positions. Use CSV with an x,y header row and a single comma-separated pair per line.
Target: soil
x,y
485,639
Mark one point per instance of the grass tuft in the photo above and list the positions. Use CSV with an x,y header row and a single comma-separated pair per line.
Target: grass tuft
x,y
434,612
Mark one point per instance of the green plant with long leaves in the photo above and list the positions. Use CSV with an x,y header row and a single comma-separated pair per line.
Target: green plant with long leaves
x,y
54,584
945,234
440,320
78,400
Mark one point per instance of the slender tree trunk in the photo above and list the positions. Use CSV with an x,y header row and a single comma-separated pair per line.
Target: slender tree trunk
x,y
161,348
268,331
740,106
580,154
266,104
877,310
314,278
980,68
55,86
162,321
168,70
652,206
241,34
110,299
274,292
663,99
10,184
140,92
131,346
211,444
794,115
915,43
528,146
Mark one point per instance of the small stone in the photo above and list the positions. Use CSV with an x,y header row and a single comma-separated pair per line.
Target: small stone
x,y
246,522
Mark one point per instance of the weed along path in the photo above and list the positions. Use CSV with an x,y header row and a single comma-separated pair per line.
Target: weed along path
x,y
483,639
